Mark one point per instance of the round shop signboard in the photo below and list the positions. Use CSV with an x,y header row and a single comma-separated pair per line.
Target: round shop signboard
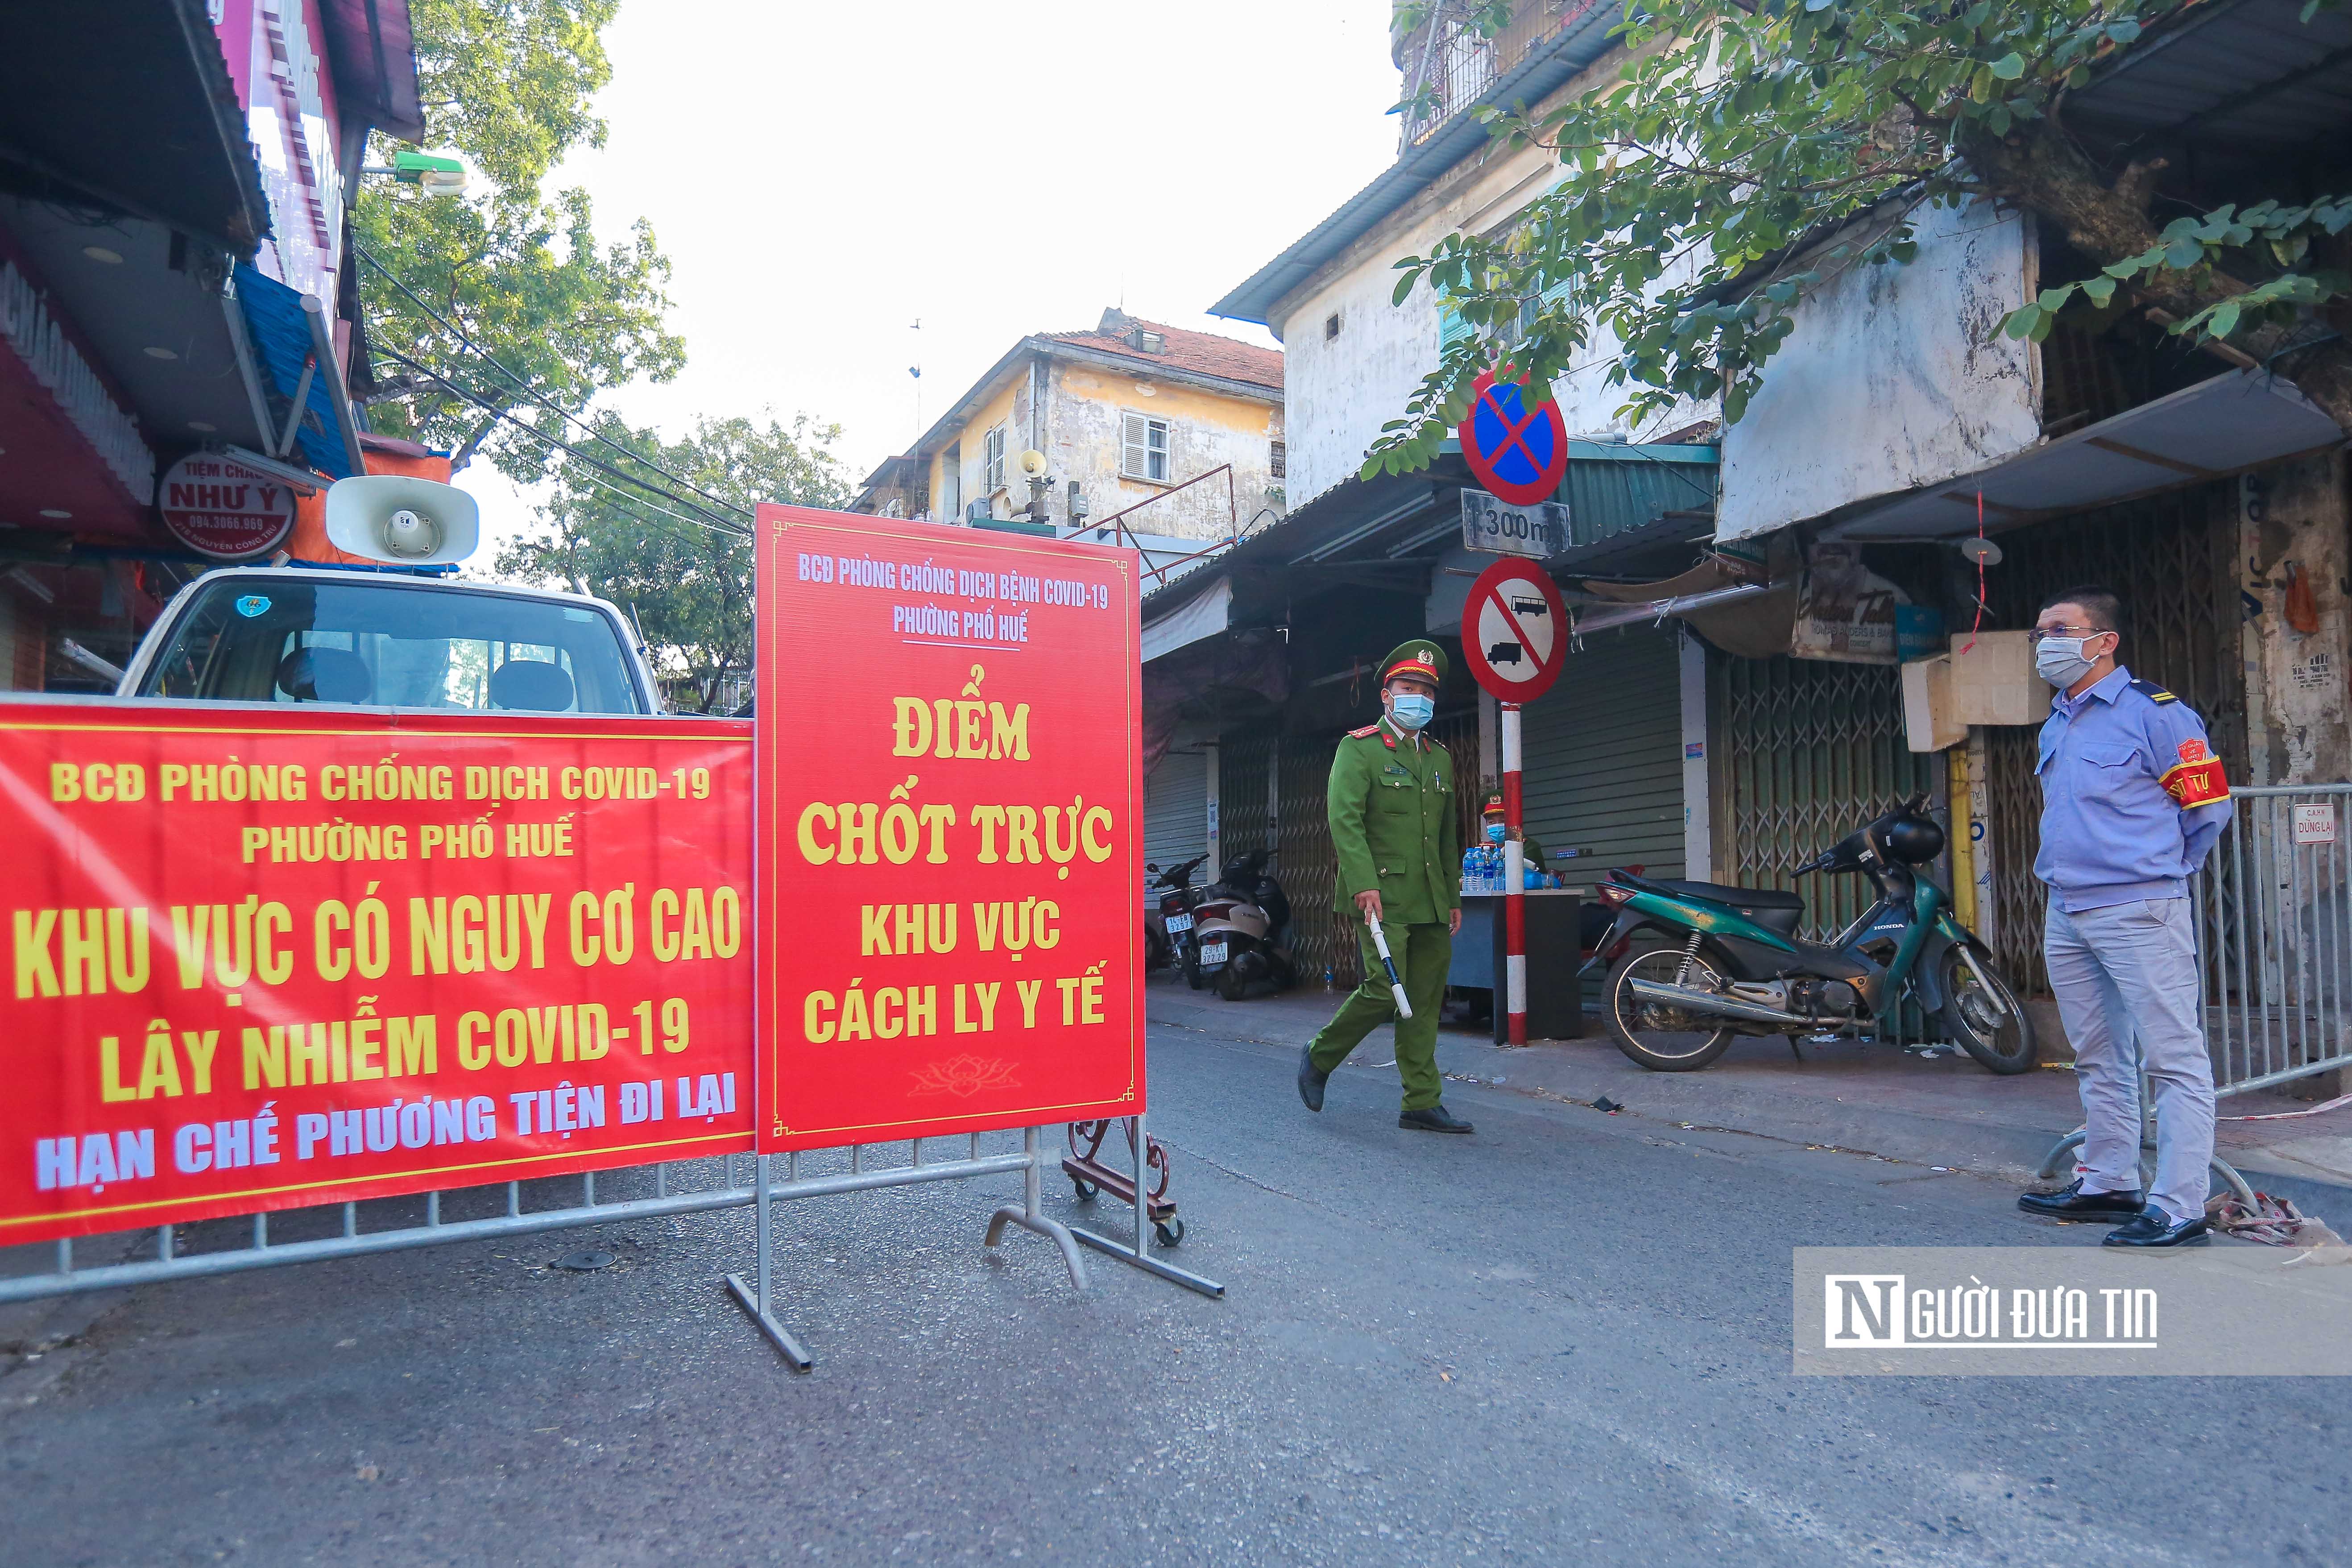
x,y
221,509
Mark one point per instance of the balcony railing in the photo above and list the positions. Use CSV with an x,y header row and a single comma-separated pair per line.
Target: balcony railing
x,y
1449,66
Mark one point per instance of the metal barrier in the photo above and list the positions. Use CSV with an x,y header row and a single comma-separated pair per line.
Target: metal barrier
x,y
2274,935
731,1181
171,1262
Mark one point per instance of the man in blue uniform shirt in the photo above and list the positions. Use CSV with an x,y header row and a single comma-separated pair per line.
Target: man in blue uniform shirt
x,y
2132,800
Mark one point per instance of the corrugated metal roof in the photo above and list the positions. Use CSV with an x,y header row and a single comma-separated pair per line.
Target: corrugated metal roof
x,y
1614,487
1544,71
2251,74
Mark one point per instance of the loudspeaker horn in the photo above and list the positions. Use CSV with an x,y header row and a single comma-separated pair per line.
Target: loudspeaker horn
x,y
402,521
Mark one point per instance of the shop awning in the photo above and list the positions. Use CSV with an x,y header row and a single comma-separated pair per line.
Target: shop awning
x,y
1203,616
130,104
2233,422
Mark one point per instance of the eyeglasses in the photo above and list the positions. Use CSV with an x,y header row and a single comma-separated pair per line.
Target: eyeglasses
x,y
2040,634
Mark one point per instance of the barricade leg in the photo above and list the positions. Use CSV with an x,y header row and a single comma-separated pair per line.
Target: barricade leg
x,y
1139,1255
756,1306
1030,1213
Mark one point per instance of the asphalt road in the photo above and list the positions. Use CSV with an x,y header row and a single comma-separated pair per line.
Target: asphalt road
x,y
1566,1339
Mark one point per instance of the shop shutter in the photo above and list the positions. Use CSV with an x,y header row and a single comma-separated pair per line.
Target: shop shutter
x,y
1601,756
1806,751
2171,558
1176,810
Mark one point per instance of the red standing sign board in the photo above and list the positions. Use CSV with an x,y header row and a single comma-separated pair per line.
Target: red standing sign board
x,y
1514,630
949,849
261,958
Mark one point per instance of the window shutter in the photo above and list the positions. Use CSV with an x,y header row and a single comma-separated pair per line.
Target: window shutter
x,y
1133,458
1449,328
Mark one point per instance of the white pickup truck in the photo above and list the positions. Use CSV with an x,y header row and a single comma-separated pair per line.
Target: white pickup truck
x,y
389,638
277,634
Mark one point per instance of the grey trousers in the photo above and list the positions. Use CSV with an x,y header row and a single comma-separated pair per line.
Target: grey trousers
x,y
2123,972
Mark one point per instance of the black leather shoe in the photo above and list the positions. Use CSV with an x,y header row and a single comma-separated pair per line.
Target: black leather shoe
x,y
1310,1082
1437,1119
2154,1227
2071,1202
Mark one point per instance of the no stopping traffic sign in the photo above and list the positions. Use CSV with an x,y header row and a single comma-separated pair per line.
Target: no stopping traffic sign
x,y
1518,453
1514,631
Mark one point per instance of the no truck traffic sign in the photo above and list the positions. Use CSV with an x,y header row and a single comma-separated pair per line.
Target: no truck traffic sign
x,y
1514,631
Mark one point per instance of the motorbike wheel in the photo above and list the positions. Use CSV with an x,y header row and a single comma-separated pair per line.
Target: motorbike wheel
x,y
1230,983
1192,967
1661,1037
1992,1026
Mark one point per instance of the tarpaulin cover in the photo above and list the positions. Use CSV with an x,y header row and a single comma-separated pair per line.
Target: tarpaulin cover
x,y
281,331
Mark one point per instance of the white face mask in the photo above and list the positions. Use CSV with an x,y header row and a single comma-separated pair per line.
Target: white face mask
x,y
2060,660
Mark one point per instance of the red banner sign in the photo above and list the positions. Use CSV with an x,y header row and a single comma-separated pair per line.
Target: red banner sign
x,y
950,807
261,959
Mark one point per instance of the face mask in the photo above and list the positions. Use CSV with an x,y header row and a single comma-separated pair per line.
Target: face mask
x,y
1493,833
2060,661
1410,710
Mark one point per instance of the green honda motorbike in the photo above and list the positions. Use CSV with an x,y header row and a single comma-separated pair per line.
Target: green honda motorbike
x,y
1693,964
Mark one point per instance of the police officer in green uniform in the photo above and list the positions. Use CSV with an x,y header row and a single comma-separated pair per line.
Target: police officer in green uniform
x,y
1392,823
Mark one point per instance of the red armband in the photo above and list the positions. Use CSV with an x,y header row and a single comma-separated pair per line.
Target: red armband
x,y
2197,779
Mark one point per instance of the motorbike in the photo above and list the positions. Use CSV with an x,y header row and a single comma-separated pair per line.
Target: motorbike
x,y
1168,924
1731,963
1237,929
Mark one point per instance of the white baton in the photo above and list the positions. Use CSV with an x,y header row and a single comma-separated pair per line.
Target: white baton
x,y
1396,987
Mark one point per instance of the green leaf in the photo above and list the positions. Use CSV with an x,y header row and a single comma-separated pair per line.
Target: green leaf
x,y
2184,253
2010,66
2224,319
2022,321
2099,290
2053,299
2123,32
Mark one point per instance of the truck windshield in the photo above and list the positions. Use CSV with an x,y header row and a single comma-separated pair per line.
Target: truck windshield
x,y
410,645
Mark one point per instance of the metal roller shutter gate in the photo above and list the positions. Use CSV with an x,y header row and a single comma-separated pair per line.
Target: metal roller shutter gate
x,y
1175,811
1602,758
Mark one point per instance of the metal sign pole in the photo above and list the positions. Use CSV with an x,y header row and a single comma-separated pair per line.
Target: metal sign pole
x,y
1515,907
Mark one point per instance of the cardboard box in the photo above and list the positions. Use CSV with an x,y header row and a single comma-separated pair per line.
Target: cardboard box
x,y
1990,683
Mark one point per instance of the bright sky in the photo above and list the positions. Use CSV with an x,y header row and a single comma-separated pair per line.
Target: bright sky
x,y
823,176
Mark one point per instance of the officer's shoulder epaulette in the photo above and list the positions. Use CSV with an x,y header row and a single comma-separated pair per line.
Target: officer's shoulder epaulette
x,y
1366,733
2153,692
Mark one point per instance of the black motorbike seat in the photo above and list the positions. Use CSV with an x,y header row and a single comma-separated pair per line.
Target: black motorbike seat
x,y
1767,907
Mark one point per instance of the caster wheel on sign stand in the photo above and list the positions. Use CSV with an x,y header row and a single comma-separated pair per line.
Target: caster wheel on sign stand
x,y
1086,1190
1170,1232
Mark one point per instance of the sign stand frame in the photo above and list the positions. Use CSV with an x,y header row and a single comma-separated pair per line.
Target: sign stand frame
x,y
756,1300
1139,1255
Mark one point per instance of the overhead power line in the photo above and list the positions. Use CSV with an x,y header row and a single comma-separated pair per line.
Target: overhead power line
x,y
716,525
524,386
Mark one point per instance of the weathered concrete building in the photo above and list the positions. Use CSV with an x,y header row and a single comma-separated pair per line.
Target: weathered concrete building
x,y
1178,434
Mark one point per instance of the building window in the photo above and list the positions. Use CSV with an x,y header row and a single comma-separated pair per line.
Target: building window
x,y
1278,461
952,483
1152,343
1330,326
1143,448
992,457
